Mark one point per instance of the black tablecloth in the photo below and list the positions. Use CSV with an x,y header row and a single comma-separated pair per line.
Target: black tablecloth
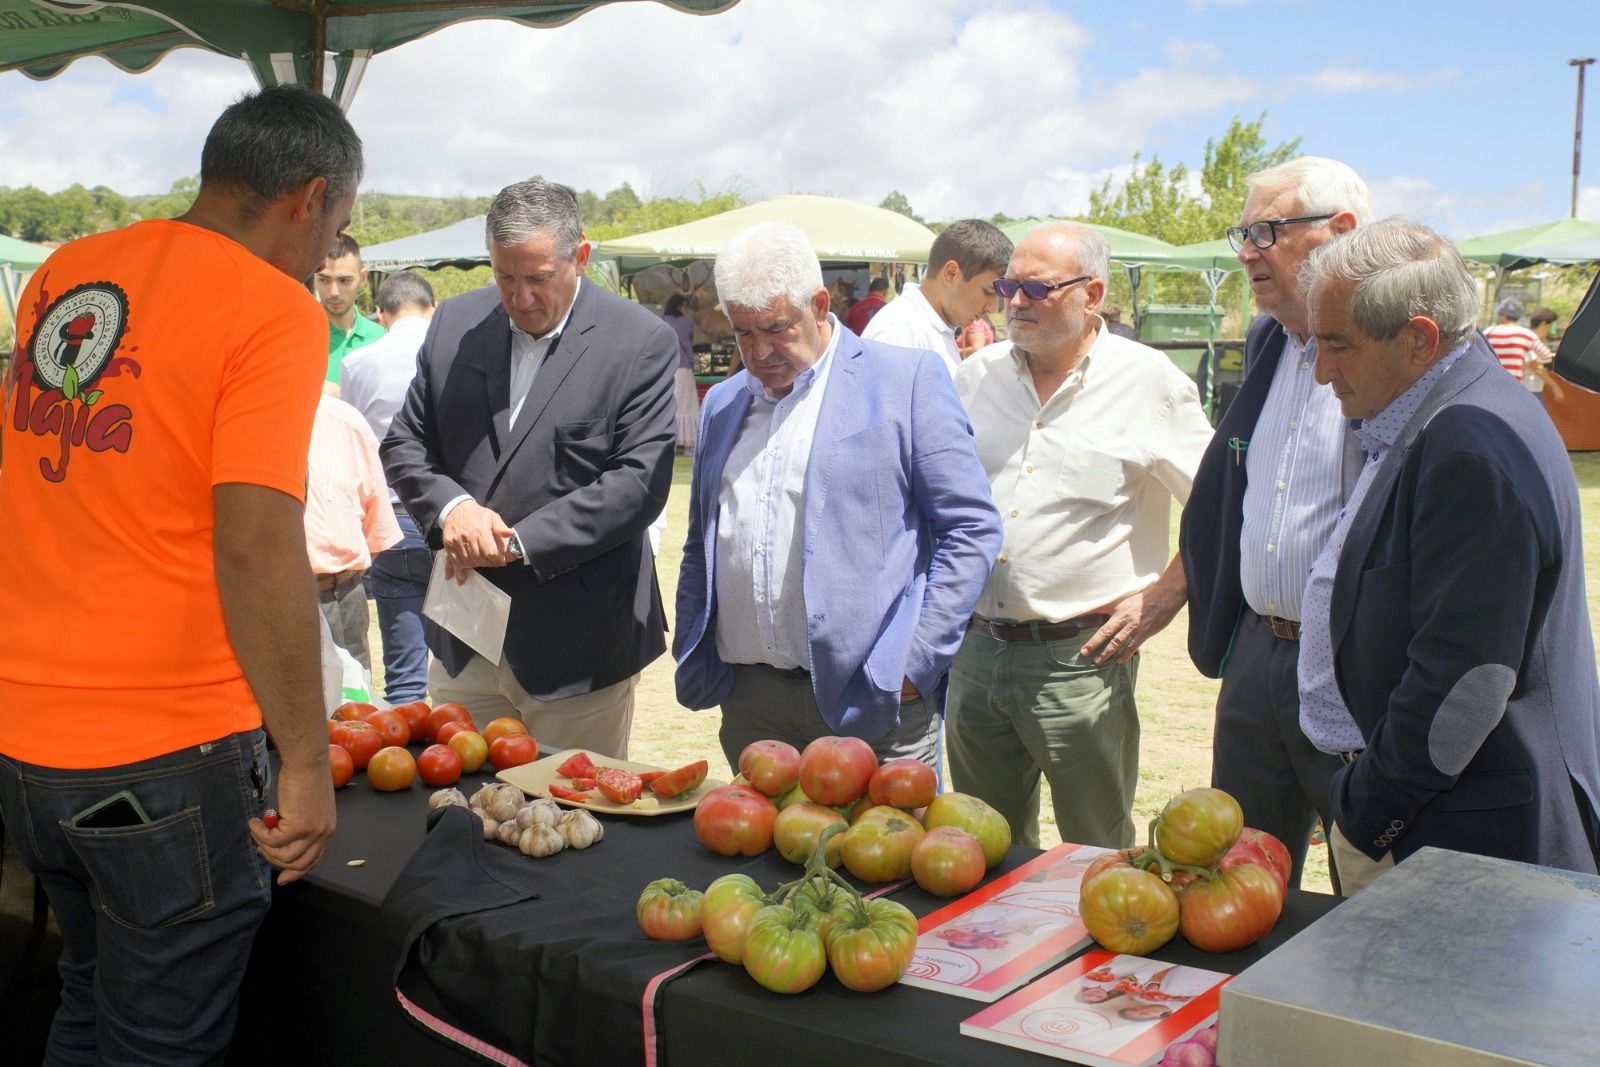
x,y
550,975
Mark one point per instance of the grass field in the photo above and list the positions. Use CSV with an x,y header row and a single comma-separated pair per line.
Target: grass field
x,y
1175,702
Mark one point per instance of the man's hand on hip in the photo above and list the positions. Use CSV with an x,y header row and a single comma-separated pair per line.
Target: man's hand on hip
x,y
305,821
475,536
1137,618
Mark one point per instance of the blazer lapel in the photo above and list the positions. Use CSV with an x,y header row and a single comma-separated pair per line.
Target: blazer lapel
x,y
837,402
722,430
497,378
563,356
1375,505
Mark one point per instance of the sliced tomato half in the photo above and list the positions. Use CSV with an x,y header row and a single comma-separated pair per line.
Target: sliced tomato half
x,y
577,765
683,780
617,785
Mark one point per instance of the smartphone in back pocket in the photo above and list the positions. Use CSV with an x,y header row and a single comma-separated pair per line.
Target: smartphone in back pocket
x,y
119,809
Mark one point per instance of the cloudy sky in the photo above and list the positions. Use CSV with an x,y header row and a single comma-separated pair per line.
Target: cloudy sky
x,y
1458,112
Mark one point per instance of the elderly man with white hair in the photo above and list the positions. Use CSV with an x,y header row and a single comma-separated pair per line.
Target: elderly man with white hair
x,y
1446,656
839,522
1265,498
1086,439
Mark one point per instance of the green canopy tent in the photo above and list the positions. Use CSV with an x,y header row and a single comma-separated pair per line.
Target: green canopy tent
x,y
1509,250
1125,245
282,40
460,244
18,259
1578,250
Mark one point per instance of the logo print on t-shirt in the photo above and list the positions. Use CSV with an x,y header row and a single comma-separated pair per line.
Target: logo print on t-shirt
x,y
73,346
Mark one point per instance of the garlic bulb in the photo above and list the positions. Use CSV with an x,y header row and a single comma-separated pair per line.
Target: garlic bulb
x,y
447,797
546,811
483,793
508,832
540,840
491,827
581,829
503,803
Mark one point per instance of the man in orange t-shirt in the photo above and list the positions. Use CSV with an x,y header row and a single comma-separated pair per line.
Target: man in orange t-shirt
x,y
156,602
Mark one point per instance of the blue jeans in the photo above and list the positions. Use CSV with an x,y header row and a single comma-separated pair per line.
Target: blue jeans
x,y
396,582
157,919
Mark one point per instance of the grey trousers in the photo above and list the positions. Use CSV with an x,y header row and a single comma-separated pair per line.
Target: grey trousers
x,y
345,609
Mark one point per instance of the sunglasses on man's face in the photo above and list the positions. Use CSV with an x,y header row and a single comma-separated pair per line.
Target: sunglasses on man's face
x,y
1005,288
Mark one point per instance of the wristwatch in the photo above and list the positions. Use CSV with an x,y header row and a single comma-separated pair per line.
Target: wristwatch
x,y
514,547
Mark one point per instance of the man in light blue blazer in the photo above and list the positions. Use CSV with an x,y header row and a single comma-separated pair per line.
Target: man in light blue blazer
x,y
840,524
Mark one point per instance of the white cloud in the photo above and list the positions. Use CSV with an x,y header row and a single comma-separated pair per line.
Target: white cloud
x,y
1589,202
1460,215
1333,80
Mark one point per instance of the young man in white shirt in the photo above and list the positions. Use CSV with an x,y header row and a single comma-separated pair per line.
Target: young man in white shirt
x,y
963,264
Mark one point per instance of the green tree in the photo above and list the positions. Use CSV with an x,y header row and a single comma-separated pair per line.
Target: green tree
x,y
896,201
172,203
30,214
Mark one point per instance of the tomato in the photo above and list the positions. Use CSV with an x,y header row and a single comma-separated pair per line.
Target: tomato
x,y
439,765
685,779
1258,846
344,768
392,769
877,847
1235,909
836,770
567,794
735,820
512,751
354,711
649,776
584,783
1198,826
391,727
730,903
470,746
828,903
416,717
443,713
976,818
771,767
870,947
668,910
796,829
903,783
783,951
948,861
577,765
358,739
1128,910
445,732
1119,858
504,726
615,784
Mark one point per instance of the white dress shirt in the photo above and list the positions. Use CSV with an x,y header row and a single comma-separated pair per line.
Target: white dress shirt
x,y
1324,717
1293,489
374,379
910,322
761,610
1084,480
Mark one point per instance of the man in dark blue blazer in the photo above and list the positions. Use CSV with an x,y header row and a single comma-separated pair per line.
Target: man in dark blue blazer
x,y
1446,654
1263,502
840,527
535,447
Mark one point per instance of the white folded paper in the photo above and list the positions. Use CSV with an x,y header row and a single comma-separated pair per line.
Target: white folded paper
x,y
476,612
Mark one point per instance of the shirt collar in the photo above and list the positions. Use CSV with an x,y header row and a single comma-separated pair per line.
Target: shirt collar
x,y
805,378
921,302
560,327
1379,433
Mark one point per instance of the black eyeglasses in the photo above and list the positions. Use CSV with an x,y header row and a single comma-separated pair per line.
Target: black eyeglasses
x,y
1264,234
1005,288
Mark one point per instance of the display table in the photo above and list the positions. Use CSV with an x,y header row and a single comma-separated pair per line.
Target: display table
x,y
553,963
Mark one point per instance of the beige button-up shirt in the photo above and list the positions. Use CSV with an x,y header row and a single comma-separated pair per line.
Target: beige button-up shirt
x,y
1084,479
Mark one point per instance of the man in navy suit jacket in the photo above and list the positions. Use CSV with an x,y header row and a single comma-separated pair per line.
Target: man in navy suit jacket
x,y
840,527
535,447
1446,653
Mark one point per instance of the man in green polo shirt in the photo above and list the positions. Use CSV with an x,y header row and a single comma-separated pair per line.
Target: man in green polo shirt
x,y
338,281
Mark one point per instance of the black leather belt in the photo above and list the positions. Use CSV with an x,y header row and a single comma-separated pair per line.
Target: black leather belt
x,y
1036,629
1286,629
793,674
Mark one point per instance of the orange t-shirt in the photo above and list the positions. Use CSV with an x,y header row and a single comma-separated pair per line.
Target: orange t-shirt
x,y
152,363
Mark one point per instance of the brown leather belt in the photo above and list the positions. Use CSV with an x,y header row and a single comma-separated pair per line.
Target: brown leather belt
x,y
1035,630
1287,629
328,583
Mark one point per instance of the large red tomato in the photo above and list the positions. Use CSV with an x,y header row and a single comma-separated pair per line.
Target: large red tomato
x,y
512,751
1129,910
447,712
416,717
1235,909
354,711
871,946
796,829
771,767
903,783
343,767
735,820
1198,826
948,861
836,770
504,726
974,816
439,765
358,739
448,730
1258,846
391,727
392,769
877,847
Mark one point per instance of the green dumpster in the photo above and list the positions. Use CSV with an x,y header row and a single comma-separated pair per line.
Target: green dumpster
x,y
1181,322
